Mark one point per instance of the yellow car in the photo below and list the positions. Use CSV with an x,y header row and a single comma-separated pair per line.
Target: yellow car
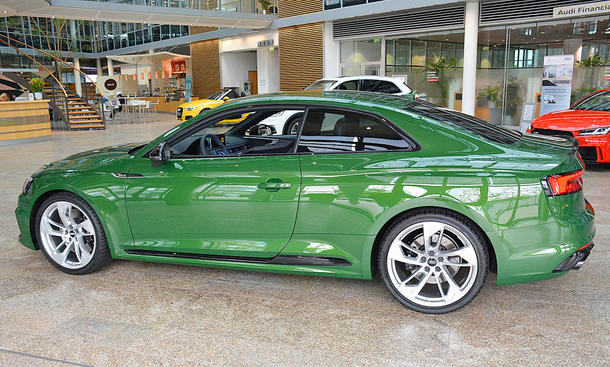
x,y
191,109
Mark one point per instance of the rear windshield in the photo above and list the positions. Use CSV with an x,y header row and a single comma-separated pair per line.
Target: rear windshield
x,y
472,124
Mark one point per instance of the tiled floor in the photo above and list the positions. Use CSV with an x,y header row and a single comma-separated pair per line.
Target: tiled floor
x,y
143,314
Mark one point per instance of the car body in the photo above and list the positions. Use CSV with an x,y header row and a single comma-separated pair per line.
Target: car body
x,y
588,120
193,108
363,83
330,200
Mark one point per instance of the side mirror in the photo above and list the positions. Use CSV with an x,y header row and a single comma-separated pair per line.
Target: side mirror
x,y
225,98
160,155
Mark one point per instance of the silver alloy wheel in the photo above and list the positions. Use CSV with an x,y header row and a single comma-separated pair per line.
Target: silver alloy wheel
x,y
294,129
67,235
432,264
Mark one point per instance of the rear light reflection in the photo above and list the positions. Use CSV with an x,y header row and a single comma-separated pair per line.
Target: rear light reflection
x,y
563,184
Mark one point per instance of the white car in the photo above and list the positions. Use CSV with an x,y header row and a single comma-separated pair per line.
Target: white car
x,y
287,122
363,83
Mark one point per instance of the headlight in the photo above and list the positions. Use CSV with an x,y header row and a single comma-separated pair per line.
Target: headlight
x,y
530,128
596,131
27,185
189,109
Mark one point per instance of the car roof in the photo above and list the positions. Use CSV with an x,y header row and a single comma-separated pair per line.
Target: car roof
x,y
358,77
390,101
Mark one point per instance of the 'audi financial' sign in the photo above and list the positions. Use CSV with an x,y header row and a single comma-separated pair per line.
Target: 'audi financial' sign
x,y
601,7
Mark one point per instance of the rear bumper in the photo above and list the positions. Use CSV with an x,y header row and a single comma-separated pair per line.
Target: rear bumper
x,y
577,259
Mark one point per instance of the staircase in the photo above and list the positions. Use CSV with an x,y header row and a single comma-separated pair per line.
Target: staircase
x,y
76,113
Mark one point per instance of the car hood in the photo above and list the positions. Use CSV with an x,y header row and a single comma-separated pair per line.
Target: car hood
x,y
572,120
95,159
201,102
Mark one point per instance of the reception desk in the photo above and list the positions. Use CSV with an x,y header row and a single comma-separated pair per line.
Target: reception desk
x,y
24,121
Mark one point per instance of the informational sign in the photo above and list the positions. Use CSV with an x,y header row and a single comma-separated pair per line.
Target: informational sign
x,y
431,76
266,43
110,84
188,87
557,83
598,8
607,73
527,115
179,67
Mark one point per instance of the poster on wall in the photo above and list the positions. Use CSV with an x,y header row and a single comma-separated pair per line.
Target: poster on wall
x,y
188,87
557,83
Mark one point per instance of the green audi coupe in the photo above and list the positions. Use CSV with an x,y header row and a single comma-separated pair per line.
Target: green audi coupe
x,y
427,197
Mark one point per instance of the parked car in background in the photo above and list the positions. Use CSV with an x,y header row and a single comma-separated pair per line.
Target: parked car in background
x,y
363,83
193,108
430,198
588,120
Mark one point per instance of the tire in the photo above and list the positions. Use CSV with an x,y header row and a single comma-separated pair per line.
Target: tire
x,y
294,120
70,234
454,270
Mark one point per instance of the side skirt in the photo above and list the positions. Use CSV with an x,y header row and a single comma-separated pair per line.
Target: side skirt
x,y
277,260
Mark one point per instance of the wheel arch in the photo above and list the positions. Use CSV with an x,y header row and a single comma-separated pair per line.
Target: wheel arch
x,y
493,264
110,234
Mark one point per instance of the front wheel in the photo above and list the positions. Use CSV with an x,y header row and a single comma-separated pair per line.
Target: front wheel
x,y
70,234
433,261
292,125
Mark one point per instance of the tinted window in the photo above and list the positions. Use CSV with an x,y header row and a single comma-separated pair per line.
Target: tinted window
x,y
336,131
482,128
351,85
379,86
232,94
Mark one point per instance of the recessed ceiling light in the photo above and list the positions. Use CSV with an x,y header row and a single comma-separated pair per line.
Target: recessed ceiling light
x,y
4,11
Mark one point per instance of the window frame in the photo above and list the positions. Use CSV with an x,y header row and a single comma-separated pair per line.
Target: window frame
x,y
415,146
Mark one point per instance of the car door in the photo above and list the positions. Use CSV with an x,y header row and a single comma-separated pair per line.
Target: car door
x,y
233,204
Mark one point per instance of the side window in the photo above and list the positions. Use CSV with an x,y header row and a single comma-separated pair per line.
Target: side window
x,y
232,94
328,131
350,85
386,87
379,86
245,132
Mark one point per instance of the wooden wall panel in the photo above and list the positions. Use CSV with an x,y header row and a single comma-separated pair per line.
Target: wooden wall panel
x,y
206,67
301,55
291,8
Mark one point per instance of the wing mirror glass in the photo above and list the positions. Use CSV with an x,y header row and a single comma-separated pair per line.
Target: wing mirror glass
x,y
160,154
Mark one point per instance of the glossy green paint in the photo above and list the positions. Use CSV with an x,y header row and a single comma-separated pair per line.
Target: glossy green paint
x,y
337,204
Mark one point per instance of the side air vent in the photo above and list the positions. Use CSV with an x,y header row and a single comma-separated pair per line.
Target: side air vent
x,y
505,11
446,17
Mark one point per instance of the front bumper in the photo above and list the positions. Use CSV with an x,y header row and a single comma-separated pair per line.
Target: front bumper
x,y
577,259
595,148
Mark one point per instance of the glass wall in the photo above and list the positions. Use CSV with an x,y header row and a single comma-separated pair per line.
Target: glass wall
x,y
334,4
509,66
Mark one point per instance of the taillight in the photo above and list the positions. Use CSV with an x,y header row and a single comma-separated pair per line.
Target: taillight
x,y
562,184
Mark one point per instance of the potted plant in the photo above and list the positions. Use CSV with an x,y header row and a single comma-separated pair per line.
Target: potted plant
x,y
36,86
265,4
441,66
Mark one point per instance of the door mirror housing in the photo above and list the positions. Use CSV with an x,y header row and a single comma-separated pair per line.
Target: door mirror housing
x,y
225,98
160,154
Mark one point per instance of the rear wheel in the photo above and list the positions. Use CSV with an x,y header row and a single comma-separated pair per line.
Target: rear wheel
x,y
433,261
70,234
292,125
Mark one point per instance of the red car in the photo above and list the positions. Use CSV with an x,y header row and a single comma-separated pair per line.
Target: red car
x,y
588,120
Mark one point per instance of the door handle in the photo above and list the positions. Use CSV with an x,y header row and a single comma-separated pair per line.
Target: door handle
x,y
274,185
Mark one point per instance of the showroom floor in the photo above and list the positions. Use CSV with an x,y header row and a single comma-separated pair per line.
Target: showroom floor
x,y
144,314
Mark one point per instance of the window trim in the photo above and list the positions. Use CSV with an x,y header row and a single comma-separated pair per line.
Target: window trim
x,y
415,146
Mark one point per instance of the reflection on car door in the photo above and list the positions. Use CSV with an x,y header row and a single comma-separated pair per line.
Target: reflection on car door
x,y
226,206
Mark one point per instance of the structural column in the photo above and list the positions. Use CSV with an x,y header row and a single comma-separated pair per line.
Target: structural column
x,y
471,34
110,67
77,84
98,64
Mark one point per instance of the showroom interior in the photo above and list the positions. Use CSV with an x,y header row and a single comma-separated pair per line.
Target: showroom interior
x,y
505,142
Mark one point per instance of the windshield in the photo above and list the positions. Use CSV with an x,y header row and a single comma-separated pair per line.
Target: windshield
x,y
482,128
599,101
321,85
218,94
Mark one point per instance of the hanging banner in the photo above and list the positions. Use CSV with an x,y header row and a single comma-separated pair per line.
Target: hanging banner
x,y
557,83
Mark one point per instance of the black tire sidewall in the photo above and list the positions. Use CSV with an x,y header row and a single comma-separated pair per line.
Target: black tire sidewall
x,y
101,255
291,122
473,235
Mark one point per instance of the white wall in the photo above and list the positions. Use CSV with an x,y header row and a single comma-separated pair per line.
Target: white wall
x,y
268,70
234,67
331,53
247,42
